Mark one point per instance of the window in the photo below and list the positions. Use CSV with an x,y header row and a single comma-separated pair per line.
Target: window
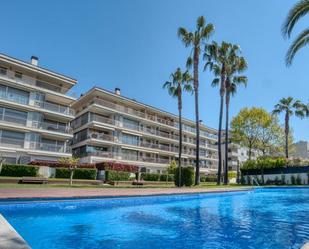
x,y
18,75
3,70
130,139
12,138
16,95
14,116
131,124
129,154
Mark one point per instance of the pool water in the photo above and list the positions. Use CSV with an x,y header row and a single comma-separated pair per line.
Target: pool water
x,y
263,218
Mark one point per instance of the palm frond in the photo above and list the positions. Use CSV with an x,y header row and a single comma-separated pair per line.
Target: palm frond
x,y
189,62
215,82
300,41
300,9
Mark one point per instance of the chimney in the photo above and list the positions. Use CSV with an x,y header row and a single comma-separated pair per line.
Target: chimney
x,y
34,60
117,91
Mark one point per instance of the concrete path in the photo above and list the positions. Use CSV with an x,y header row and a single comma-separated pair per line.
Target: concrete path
x,y
103,192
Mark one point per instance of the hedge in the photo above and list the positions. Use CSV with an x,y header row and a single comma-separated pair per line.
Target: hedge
x,y
170,178
150,177
19,170
90,174
187,176
113,175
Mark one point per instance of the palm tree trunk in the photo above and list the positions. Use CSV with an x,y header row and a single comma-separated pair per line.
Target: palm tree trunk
x,y
287,131
180,135
219,139
197,120
227,103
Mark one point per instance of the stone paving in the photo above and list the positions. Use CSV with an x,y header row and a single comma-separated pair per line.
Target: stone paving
x,y
103,192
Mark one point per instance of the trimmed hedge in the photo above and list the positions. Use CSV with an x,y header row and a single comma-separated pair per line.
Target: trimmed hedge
x,y
90,174
187,176
19,170
113,175
170,178
155,177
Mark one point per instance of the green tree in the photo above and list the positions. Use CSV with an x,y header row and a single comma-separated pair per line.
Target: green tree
x,y
289,107
235,66
171,169
180,82
246,127
72,164
194,40
300,9
217,58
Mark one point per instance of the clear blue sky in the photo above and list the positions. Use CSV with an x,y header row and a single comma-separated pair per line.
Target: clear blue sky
x,y
133,45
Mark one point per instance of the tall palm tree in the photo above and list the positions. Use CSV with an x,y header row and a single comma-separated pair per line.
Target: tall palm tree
x,y
179,82
235,66
300,9
289,107
217,57
194,40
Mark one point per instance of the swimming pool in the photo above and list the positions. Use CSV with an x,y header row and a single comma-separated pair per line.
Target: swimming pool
x,y
264,218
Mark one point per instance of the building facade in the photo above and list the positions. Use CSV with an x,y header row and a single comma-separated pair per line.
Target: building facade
x,y
237,155
301,149
35,112
110,127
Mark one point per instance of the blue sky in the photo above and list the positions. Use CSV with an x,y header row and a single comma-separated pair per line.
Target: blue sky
x,y
133,45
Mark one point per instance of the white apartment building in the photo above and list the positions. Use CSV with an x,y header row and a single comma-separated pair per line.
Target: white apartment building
x,y
35,112
301,149
237,155
111,127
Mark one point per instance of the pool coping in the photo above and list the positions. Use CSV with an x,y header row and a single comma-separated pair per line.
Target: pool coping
x,y
68,198
9,237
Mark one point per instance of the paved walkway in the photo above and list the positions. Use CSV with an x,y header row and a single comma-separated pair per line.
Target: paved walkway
x,y
103,192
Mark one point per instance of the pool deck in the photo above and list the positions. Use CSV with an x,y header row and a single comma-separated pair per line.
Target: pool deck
x,y
63,193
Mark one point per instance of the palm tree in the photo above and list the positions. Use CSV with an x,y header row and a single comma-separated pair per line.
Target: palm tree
x,y
194,40
217,57
289,107
235,66
300,9
179,82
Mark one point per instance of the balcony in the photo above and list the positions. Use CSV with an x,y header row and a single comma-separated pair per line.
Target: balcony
x,y
48,126
32,145
41,104
28,80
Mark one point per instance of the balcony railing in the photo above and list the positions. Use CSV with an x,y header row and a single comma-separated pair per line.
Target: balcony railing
x,y
32,145
25,79
131,111
45,125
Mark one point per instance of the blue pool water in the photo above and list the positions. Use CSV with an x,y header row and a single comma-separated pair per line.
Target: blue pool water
x,y
264,218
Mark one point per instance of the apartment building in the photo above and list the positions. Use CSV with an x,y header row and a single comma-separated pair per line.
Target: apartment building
x,y
111,127
35,112
237,155
301,149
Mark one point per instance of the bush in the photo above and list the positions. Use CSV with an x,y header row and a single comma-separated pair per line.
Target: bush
x,y
170,178
298,180
113,175
187,176
150,177
19,170
90,174
293,180
232,174
283,182
211,178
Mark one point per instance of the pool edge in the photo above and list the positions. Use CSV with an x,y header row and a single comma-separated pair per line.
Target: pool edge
x,y
9,237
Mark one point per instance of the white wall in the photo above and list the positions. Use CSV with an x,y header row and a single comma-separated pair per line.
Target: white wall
x,y
272,177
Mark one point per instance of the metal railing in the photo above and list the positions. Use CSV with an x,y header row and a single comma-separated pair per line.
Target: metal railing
x,y
45,125
42,104
32,145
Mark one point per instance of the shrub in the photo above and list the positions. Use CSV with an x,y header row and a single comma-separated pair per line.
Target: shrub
x,y
19,170
211,178
170,178
283,182
293,180
232,174
242,180
85,174
150,176
187,176
113,175
298,180
172,167
203,178
116,167
89,174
